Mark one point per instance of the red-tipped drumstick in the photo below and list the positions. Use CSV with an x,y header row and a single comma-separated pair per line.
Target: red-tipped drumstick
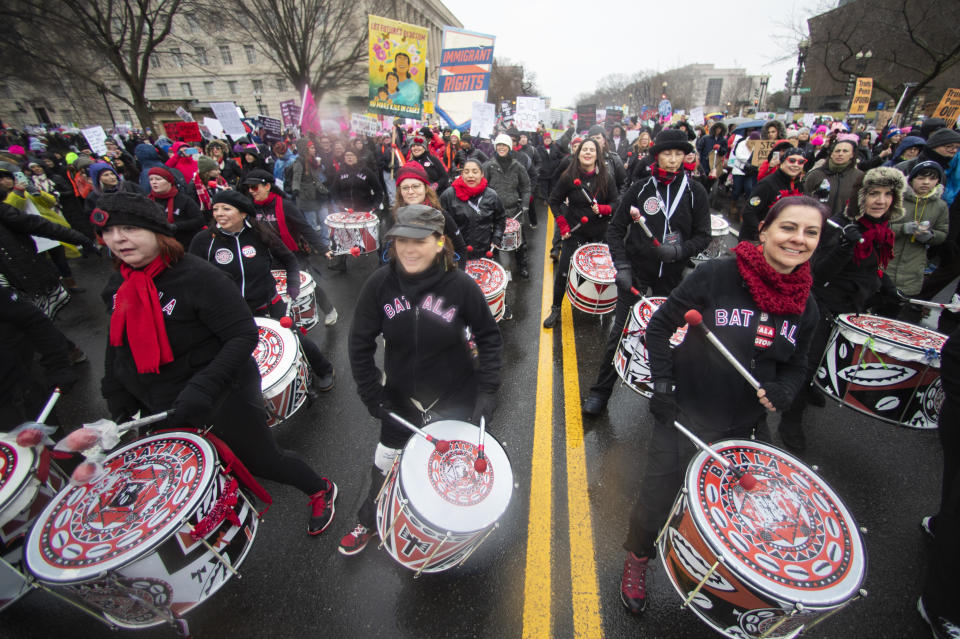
x,y
587,195
583,220
480,464
469,248
747,480
837,226
286,321
355,251
441,445
489,253
54,396
953,306
694,318
646,229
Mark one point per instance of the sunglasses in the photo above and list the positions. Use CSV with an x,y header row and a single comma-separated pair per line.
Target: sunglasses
x,y
799,161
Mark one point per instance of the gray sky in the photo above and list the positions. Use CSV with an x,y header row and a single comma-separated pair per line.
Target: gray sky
x,y
553,38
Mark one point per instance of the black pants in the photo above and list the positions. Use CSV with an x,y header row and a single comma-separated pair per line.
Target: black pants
x,y
318,361
567,248
322,300
58,255
941,591
818,344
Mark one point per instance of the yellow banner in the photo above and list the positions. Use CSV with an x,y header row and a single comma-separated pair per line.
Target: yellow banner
x,y
398,56
861,96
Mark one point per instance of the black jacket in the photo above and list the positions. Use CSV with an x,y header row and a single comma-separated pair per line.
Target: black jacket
x,y
187,218
247,258
629,245
481,227
512,183
710,393
839,284
302,233
578,206
767,191
423,319
357,188
435,170
549,158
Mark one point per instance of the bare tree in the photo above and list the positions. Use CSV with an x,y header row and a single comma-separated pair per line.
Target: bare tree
x,y
509,79
81,39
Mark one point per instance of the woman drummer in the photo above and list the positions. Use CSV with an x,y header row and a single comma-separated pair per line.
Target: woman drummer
x,y
247,250
759,305
414,187
422,306
476,209
180,340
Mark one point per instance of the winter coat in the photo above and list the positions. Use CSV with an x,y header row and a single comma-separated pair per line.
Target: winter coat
x,y
764,195
20,264
705,146
149,157
309,183
187,218
710,394
357,188
909,254
512,183
841,186
548,158
630,246
480,220
186,165
907,142
423,321
435,170
46,205
303,235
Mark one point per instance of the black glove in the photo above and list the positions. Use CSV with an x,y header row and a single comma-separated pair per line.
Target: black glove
x,y
663,404
851,235
192,407
122,405
778,395
89,250
668,253
484,407
624,278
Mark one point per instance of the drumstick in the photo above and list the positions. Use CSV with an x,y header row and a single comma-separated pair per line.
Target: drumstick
x,y
953,306
470,250
54,396
694,318
583,220
480,464
643,224
837,226
747,480
589,197
441,445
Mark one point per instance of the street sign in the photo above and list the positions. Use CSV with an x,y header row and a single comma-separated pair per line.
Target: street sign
x,y
795,101
803,90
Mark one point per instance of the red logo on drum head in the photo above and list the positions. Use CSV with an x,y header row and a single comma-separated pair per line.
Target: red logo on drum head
x,y
453,477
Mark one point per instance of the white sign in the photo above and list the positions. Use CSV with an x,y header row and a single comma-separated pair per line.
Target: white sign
x,y
96,138
527,116
632,135
809,119
184,114
795,101
696,116
213,125
226,113
482,118
366,124
43,243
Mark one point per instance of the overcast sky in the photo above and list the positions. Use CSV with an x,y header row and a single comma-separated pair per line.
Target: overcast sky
x,y
570,48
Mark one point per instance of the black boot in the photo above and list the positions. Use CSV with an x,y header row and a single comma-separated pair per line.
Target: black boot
x,y
553,318
522,262
814,397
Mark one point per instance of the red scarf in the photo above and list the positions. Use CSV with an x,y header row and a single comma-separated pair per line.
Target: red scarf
x,y
285,235
778,293
465,192
662,175
206,203
137,314
879,235
168,196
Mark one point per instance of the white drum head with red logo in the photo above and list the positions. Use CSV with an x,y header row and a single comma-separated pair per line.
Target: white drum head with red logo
x,y
791,536
276,350
306,282
594,262
446,489
148,489
645,308
16,468
490,276
894,332
718,225
347,220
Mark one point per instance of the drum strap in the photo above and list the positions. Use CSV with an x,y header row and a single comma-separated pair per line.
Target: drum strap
x,y
43,466
475,207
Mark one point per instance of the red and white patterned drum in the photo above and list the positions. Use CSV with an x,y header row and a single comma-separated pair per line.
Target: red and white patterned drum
x,y
789,550
590,286
492,279
353,229
885,368
631,358
512,236
435,509
719,228
283,370
27,484
122,546
303,310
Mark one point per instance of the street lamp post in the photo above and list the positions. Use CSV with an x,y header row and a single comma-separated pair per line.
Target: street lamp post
x,y
259,98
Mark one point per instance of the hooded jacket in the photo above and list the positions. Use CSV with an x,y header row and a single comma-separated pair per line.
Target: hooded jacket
x,y
910,255
510,180
149,157
356,187
186,165
907,142
839,187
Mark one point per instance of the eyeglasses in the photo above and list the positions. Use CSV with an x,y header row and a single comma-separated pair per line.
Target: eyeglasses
x,y
799,161
412,187
253,187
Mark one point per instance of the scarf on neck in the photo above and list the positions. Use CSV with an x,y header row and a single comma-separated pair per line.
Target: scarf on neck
x,y
464,192
168,196
137,315
662,175
833,167
877,235
285,235
778,293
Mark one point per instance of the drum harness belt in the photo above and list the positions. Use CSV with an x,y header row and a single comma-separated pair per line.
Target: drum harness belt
x,y
667,208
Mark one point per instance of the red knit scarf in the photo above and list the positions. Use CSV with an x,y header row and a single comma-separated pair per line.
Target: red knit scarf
x,y
662,175
877,235
779,293
137,314
168,196
285,235
465,192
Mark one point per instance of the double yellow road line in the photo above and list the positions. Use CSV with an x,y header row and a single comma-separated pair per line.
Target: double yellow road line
x,y
538,591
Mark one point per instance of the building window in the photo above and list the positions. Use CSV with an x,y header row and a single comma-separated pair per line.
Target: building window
x,y
208,88
155,60
116,88
163,89
201,54
225,55
187,90
251,54
714,87
125,115
258,86
232,85
177,56
281,84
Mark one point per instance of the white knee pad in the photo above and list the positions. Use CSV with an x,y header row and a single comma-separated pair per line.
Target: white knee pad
x,y
384,458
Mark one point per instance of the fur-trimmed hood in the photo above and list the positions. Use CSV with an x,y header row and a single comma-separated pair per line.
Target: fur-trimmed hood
x,y
885,176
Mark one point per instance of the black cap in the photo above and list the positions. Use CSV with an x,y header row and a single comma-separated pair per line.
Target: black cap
x,y
237,200
672,139
258,176
417,221
129,209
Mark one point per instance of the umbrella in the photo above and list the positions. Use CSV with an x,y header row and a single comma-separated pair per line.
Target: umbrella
x,y
745,127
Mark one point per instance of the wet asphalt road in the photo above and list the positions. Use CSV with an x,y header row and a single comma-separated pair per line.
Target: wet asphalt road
x,y
296,585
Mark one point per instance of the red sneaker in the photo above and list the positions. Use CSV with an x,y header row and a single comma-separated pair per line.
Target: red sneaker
x,y
633,583
322,509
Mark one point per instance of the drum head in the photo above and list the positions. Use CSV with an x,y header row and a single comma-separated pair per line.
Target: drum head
x,y
645,308
149,488
512,226
895,332
445,489
791,536
276,350
280,277
594,261
346,219
718,225
489,275
16,468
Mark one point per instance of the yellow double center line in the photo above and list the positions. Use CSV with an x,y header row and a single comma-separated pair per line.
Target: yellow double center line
x,y
537,618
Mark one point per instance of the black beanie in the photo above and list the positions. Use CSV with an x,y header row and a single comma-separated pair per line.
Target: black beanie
x,y
129,209
237,200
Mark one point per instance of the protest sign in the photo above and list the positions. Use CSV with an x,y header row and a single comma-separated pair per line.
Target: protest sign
x,y
528,113
482,117
272,128
226,113
466,60
213,125
398,54
696,116
366,124
949,107
183,131
290,113
861,96
184,114
96,138
586,116
761,149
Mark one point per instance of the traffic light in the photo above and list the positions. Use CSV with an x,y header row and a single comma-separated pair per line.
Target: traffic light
x,y
756,102
789,80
